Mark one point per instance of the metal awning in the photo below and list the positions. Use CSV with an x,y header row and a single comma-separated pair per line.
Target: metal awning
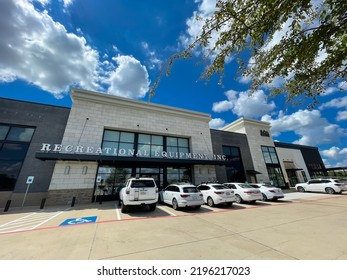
x,y
290,165
252,172
126,160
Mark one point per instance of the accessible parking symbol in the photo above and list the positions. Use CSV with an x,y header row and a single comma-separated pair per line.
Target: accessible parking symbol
x,y
78,221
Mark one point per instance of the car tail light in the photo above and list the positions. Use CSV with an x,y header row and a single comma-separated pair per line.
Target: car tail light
x,y
338,185
218,192
184,195
271,191
201,194
248,192
156,190
127,191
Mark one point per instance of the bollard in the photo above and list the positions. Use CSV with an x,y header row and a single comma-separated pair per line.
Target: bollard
x,y
7,205
73,201
100,199
43,201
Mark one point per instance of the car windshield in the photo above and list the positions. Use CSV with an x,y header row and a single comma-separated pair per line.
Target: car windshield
x,y
190,190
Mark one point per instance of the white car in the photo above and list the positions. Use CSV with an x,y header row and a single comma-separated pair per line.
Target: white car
x,y
244,192
329,186
185,195
138,191
217,194
269,192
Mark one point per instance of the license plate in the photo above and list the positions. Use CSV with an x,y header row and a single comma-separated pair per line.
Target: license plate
x,y
193,197
142,193
227,193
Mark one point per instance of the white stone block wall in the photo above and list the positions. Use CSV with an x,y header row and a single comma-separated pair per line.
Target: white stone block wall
x,y
91,113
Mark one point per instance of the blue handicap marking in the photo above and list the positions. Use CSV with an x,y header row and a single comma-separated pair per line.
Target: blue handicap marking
x,y
78,221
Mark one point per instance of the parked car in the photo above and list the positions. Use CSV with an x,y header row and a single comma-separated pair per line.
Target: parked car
x,y
329,186
244,192
181,195
217,194
269,192
138,191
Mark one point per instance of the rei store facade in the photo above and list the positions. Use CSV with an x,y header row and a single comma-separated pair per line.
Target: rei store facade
x,y
108,139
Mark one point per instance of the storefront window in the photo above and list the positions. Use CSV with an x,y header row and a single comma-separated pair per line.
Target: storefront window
x,y
269,154
234,168
14,144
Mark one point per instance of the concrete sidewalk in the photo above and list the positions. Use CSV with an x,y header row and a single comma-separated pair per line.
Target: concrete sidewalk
x,y
306,227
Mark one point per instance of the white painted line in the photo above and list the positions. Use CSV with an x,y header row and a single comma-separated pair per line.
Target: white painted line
x,y
210,208
167,211
47,220
17,220
118,215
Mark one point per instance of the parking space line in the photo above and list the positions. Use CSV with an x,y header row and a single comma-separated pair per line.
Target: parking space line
x,y
118,215
166,211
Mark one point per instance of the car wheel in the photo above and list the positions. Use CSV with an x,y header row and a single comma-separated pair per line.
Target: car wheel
x,y
124,208
210,201
238,198
301,189
329,191
264,197
174,204
152,207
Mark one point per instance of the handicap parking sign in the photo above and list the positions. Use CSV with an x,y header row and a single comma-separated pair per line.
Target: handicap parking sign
x,y
78,221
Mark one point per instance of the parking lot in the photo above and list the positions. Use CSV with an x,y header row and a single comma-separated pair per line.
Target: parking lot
x,y
300,226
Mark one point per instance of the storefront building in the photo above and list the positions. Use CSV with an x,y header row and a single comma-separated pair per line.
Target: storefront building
x,y
90,150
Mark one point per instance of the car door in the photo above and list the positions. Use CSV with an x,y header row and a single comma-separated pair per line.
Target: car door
x,y
168,194
313,185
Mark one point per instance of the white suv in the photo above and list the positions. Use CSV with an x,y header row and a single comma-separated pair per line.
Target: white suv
x,y
185,195
138,191
329,186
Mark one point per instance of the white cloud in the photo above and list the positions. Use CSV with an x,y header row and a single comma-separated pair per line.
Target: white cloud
x,y
310,126
40,51
341,116
336,155
194,27
36,49
337,103
216,123
67,3
244,104
154,61
130,79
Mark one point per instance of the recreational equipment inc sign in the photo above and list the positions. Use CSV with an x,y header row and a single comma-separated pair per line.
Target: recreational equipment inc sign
x,y
72,149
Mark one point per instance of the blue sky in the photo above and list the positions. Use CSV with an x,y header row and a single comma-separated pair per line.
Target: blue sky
x,y
117,47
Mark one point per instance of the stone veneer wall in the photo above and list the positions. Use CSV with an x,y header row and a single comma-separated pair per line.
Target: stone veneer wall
x,y
92,112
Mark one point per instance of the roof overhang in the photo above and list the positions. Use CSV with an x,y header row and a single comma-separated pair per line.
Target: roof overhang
x,y
125,160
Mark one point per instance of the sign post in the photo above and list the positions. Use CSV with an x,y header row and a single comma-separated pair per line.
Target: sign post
x,y
30,180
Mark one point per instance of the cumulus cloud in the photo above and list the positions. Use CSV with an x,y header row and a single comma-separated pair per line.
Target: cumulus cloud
x,y
336,154
310,126
216,123
337,103
194,27
245,104
130,79
36,49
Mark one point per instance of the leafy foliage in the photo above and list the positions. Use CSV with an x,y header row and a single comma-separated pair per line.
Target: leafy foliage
x,y
301,43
